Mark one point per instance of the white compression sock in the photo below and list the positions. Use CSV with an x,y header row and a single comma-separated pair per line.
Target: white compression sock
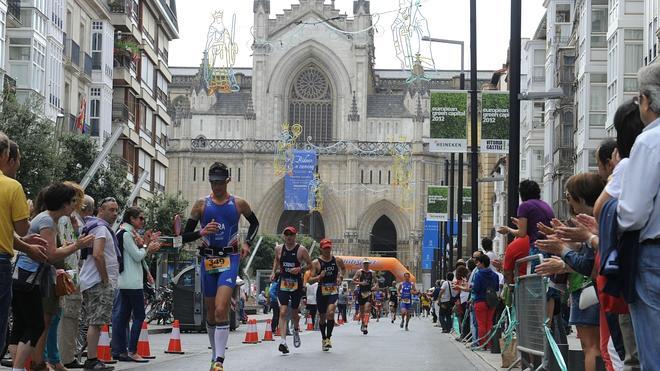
x,y
221,337
210,330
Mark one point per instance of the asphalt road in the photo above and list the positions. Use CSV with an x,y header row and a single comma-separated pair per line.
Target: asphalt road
x,y
386,347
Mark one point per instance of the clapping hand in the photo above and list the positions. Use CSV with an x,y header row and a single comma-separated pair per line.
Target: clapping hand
x,y
578,233
589,222
550,266
552,245
84,241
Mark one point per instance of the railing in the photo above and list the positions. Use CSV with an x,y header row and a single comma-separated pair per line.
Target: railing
x,y
72,51
127,7
162,96
87,64
364,149
120,112
125,62
163,54
14,9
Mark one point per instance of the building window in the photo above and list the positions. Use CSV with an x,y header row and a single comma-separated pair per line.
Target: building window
x,y
597,120
635,34
371,177
630,85
19,49
194,174
563,13
633,58
147,73
362,176
97,45
39,65
380,177
310,104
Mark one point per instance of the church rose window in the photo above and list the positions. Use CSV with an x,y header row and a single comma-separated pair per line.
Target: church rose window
x,y
310,104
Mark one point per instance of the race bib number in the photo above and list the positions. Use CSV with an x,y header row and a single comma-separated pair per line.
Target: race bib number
x,y
405,301
365,294
217,264
329,289
289,284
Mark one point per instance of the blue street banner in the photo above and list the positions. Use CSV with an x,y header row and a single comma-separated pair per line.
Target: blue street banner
x,y
297,184
430,243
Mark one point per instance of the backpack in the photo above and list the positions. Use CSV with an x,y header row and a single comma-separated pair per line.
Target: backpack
x,y
491,297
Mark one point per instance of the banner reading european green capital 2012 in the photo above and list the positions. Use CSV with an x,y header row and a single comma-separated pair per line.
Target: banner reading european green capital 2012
x,y
448,121
494,122
436,203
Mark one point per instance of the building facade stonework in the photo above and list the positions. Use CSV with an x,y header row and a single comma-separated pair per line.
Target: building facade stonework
x,y
353,115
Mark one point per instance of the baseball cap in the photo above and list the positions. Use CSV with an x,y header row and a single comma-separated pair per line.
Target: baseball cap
x,y
290,229
366,261
218,172
325,243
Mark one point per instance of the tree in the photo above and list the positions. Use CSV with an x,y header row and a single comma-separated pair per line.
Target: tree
x,y
27,125
159,212
78,153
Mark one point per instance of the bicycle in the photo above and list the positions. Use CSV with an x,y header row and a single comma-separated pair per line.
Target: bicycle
x,y
161,308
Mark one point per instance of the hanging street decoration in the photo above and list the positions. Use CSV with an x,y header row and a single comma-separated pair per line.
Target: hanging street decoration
x,y
408,28
220,56
286,141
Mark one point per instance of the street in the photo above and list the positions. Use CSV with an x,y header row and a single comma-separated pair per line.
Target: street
x,y
386,347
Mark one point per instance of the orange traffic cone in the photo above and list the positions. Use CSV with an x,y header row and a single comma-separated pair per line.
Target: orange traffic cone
x,y
103,350
143,347
251,337
174,347
268,334
310,324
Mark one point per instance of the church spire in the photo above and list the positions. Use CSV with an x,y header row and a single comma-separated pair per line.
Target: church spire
x,y
354,116
264,3
419,113
361,4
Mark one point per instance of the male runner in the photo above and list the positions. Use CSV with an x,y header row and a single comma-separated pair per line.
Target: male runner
x,y
329,272
378,300
288,258
406,290
219,215
364,278
394,300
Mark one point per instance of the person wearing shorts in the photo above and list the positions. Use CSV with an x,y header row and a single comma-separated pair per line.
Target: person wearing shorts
x,y
328,271
406,291
394,301
364,278
219,215
288,261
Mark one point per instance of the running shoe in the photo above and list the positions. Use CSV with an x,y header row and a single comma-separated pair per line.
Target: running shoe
x,y
401,324
97,365
324,345
365,331
329,342
284,348
217,366
296,338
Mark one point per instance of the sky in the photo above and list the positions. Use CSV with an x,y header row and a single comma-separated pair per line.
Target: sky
x,y
447,19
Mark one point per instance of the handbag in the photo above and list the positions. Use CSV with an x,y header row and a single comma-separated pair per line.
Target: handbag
x,y
588,297
64,284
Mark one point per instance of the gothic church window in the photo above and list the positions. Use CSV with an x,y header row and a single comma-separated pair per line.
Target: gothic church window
x,y
311,104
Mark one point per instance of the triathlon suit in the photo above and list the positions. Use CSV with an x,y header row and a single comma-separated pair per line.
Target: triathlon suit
x,y
378,298
406,295
291,285
221,259
328,291
393,296
365,290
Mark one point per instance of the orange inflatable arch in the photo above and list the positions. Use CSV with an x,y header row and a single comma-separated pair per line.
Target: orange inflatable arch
x,y
392,265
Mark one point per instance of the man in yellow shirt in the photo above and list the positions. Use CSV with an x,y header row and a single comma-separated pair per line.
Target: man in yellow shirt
x,y
14,224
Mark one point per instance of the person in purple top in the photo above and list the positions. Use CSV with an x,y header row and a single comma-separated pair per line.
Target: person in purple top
x,y
531,211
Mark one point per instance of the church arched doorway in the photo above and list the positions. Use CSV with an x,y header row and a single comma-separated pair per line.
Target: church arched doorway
x,y
383,238
307,223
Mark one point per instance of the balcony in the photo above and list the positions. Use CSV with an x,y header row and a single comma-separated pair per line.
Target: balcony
x,y
71,54
121,113
163,54
125,7
124,15
87,65
14,14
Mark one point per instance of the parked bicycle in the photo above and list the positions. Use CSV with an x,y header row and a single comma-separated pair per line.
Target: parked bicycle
x,y
160,309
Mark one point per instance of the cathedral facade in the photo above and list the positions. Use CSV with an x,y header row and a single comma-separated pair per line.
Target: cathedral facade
x,y
314,66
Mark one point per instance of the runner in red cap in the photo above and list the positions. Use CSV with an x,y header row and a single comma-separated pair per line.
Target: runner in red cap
x,y
288,258
328,271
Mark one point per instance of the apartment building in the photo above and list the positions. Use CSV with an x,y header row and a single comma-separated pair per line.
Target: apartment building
x,y
141,76
532,121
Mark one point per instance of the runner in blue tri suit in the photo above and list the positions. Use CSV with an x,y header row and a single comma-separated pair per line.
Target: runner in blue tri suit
x,y
406,290
219,215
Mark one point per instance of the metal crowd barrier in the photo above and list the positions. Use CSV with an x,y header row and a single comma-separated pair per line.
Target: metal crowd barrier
x,y
530,301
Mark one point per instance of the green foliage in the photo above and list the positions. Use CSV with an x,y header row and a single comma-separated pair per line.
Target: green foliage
x,y
448,125
495,126
26,125
78,153
159,212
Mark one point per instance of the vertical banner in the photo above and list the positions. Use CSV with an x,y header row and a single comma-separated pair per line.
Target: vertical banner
x,y
467,204
448,121
297,184
431,242
495,122
436,203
